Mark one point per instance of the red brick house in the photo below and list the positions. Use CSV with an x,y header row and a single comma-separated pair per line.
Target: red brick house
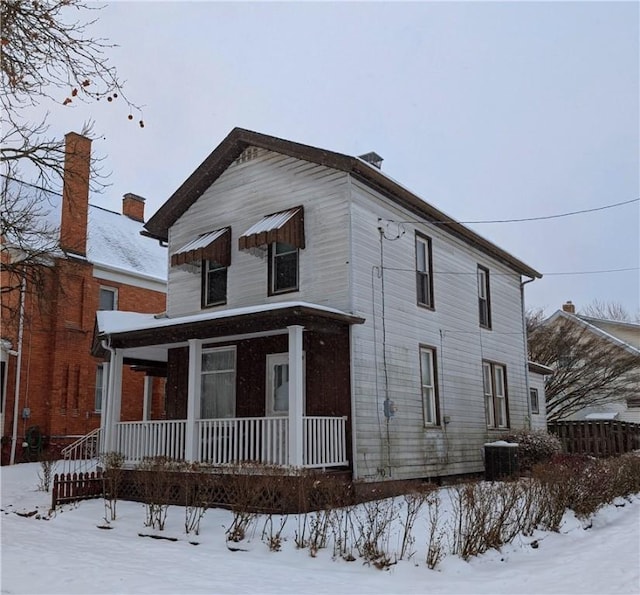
x,y
104,263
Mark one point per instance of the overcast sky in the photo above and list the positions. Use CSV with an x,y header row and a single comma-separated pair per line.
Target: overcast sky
x,y
486,110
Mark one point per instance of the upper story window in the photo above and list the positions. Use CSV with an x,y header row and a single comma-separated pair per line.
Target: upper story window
x,y
211,253
429,385
283,268
494,382
214,284
424,275
108,299
280,236
484,297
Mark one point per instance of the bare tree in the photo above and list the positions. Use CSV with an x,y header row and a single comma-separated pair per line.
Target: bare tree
x,y
607,311
590,370
48,60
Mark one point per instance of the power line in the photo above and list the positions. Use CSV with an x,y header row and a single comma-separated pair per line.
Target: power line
x,y
516,274
523,219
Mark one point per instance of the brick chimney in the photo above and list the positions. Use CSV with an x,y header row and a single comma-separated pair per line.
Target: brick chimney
x,y
569,307
75,193
133,206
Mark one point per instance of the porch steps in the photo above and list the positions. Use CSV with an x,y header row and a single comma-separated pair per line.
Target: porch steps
x,y
82,455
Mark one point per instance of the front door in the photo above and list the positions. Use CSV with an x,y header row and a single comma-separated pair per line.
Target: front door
x,y
277,406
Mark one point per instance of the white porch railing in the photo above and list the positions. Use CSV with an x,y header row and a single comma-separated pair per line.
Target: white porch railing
x,y
259,439
227,441
82,455
139,439
324,441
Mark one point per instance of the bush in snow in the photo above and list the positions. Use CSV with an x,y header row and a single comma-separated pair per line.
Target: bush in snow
x,y
535,446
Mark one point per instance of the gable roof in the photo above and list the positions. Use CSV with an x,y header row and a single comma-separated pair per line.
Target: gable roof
x,y
586,324
114,241
239,139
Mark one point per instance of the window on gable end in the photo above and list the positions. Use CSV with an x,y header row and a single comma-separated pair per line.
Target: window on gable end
x,y
214,284
283,268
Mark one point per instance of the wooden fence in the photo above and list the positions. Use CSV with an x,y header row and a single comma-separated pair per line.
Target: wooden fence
x,y
70,487
598,438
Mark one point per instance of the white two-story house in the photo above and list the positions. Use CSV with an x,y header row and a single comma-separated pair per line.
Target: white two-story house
x,y
319,314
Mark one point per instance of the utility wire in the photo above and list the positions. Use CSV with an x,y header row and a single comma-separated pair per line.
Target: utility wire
x,y
541,218
516,274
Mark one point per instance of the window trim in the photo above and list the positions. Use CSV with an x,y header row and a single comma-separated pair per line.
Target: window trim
x,y
204,303
435,396
425,241
482,273
271,273
491,399
113,291
534,410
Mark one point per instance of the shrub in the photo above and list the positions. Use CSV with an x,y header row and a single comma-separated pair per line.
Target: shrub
x,y
535,446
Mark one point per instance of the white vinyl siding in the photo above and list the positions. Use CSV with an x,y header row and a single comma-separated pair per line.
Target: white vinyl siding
x,y
411,450
240,197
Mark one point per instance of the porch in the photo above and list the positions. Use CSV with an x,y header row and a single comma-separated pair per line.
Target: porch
x,y
267,386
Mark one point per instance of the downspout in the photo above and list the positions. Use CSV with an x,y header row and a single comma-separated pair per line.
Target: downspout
x,y
526,350
352,306
16,399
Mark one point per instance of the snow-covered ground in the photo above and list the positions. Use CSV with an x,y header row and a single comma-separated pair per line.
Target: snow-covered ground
x,y
67,552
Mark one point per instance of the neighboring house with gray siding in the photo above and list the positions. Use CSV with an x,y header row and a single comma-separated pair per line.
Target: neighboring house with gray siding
x,y
319,314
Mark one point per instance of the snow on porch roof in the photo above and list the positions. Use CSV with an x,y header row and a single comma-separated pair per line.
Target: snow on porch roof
x,y
112,322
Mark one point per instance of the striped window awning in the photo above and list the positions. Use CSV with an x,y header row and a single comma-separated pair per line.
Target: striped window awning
x,y
285,227
214,246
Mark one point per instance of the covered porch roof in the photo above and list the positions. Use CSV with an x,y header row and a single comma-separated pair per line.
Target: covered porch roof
x,y
146,338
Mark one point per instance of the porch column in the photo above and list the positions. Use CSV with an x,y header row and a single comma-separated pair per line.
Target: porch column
x,y
295,395
114,400
104,407
147,397
193,399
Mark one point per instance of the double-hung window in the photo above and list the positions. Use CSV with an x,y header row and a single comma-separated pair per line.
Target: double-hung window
x,y
283,268
214,284
494,381
424,276
108,299
535,401
428,382
218,383
484,297
101,377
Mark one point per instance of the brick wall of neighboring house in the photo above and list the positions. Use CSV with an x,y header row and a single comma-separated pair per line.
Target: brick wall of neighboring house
x,y
58,372
58,382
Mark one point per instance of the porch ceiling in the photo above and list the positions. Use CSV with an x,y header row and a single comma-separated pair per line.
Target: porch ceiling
x,y
150,338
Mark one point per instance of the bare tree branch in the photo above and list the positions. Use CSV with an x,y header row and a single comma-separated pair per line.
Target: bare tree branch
x,y
589,370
